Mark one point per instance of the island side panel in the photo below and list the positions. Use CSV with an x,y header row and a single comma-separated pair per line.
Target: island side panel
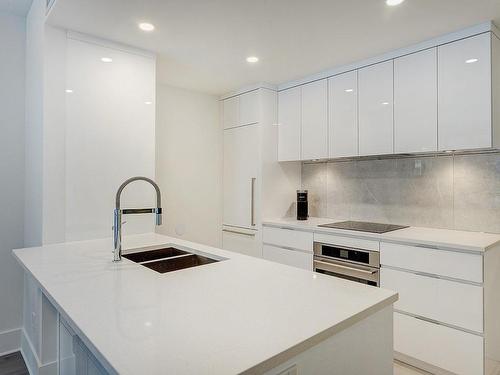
x,y
492,308
364,348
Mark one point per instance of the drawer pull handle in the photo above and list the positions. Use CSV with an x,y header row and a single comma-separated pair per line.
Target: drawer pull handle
x,y
238,232
428,320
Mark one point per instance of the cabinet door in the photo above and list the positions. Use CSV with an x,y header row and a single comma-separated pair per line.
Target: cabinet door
x,y
415,102
292,258
343,115
375,109
67,361
241,168
289,102
230,112
464,86
315,120
249,108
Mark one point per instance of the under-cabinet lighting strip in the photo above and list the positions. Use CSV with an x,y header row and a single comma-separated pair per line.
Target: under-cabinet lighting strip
x,y
405,156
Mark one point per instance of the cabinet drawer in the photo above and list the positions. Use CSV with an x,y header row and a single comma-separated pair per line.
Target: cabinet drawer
x,y
456,265
243,243
295,239
293,258
447,348
442,300
357,243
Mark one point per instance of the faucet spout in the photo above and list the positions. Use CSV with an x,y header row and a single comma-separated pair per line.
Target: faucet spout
x,y
119,212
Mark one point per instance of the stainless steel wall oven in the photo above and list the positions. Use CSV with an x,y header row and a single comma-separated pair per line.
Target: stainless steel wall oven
x,y
349,263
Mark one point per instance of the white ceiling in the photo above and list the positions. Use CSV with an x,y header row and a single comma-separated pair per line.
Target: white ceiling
x,y
17,7
202,44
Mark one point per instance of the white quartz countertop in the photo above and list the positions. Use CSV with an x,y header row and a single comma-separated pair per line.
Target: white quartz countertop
x,y
445,238
239,315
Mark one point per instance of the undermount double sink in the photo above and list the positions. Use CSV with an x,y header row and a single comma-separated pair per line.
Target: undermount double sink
x,y
168,259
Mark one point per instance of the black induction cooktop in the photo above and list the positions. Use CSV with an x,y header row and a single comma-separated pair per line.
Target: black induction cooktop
x,y
364,226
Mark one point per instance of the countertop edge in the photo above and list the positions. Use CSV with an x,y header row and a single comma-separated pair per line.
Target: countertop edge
x,y
312,341
392,238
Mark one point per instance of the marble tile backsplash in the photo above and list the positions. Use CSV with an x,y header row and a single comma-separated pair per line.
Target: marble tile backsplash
x,y
446,191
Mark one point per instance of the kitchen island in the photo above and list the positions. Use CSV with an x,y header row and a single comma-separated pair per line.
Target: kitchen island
x,y
238,315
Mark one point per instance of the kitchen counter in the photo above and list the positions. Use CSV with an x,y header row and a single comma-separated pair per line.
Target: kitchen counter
x,y
239,315
432,237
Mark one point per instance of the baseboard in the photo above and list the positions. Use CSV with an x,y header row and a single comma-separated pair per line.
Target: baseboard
x,y
10,341
420,364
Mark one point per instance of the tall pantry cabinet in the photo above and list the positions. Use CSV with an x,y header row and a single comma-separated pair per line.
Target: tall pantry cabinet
x,y
254,183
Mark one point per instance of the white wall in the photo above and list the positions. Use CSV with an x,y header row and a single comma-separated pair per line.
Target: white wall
x,y
189,164
12,91
35,23
54,136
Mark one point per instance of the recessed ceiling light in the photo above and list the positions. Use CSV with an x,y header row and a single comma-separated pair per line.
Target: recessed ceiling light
x,y
146,26
106,59
69,91
349,90
385,103
470,61
252,59
393,2
148,103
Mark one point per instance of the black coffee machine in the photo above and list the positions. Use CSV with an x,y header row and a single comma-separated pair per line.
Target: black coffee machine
x,y
302,209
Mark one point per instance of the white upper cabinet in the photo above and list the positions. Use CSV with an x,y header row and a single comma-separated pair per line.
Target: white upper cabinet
x,y
343,115
241,110
415,102
230,108
376,109
289,114
315,120
249,108
437,99
464,86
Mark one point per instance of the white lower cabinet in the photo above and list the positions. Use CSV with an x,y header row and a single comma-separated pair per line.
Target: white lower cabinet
x,y
86,363
439,319
240,240
456,265
295,258
67,365
74,356
282,237
446,301
447,348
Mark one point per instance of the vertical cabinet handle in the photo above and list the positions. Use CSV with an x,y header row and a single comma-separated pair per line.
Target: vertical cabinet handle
x,y
252,205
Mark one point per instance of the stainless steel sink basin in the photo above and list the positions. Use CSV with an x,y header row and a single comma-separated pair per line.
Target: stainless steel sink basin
x,y
179,263
146,256
168,259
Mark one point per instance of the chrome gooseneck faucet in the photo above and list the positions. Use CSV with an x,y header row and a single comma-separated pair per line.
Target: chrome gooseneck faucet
x,y
117,226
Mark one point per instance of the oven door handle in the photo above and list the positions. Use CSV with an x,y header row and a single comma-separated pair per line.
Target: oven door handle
x,y
334,265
